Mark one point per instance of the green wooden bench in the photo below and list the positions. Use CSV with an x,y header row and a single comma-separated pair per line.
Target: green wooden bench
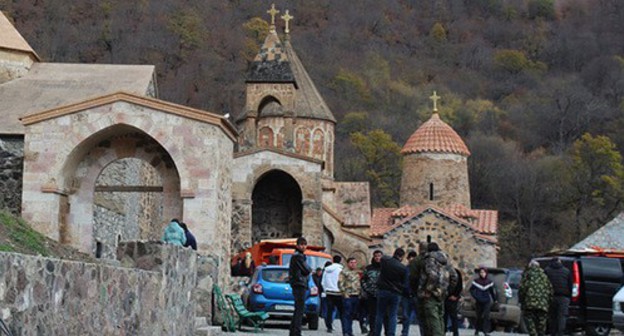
x,y
256,319
229,322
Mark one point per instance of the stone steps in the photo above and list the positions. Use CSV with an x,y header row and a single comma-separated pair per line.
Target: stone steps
x,y
202,328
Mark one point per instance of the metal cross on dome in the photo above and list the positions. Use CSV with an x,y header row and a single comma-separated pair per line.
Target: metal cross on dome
x,y
287,17
273,12
435,99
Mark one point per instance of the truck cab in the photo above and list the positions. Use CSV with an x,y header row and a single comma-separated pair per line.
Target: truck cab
x,y
279,252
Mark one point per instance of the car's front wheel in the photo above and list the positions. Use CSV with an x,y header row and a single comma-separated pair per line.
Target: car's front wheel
x,y
313,320
597,329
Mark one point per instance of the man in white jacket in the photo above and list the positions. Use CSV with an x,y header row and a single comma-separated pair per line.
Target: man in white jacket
x,y
332,292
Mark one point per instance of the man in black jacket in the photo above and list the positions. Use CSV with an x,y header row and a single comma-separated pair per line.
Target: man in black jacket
x,y
451,305
561,280
389,291
298,272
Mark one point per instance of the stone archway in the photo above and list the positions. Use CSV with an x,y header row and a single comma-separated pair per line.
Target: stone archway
x,y
119,159
277,210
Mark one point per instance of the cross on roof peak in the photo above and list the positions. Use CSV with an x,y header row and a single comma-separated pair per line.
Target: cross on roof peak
x,y
435,99
287,17
273,12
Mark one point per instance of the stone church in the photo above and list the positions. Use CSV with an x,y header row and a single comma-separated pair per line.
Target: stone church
x,y
105,160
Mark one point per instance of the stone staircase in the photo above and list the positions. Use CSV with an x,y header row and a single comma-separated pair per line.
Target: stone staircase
x,y
202,328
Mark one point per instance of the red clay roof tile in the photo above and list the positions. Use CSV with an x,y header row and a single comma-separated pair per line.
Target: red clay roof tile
x,y
483,222
435,136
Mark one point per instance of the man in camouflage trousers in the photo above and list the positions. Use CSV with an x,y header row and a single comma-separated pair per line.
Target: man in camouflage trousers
x,y
436,276
535,295
349,284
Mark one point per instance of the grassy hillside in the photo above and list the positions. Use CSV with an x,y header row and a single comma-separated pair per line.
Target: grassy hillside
x,y
17,236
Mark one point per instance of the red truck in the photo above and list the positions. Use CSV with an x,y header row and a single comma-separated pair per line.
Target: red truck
x,y
278,252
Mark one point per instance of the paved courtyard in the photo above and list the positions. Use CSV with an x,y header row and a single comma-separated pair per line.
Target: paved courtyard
x,y
281,328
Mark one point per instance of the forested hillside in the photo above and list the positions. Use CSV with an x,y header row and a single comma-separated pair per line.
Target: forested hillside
x,y
535,87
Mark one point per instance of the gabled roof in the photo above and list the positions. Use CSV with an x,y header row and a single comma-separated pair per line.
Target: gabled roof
x,y
11,39
435,136
50,85
483,223
610,236
161,105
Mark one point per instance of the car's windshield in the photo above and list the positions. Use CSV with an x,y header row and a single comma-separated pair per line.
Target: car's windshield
x,y
313,261
514,279
275,275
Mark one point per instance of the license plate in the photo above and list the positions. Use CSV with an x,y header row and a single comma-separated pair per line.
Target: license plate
x,y
284,307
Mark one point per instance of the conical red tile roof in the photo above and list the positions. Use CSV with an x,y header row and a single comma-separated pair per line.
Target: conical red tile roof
x,y
435,136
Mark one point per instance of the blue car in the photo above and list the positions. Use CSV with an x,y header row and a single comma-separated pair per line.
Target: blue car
x,y
269,291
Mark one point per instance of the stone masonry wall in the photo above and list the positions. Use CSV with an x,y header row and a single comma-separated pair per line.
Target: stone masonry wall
x,y
11,169
448,173
150,296
458,241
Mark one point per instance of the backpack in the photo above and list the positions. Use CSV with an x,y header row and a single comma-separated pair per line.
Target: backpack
x,y
436,278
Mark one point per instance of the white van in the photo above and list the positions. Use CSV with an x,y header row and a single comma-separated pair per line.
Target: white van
x,y
618,309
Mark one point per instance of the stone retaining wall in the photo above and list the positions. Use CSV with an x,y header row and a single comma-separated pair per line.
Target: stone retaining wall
x,y
150,294
11,168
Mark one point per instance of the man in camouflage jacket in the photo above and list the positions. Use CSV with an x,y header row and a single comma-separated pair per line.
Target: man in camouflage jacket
x,y
349,284
535,295
436,276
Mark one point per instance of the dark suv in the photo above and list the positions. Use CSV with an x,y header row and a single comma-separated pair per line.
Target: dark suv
x,y
508,314
596,279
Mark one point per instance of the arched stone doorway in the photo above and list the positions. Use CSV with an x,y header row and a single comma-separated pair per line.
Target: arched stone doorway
x,y
277,210
126,185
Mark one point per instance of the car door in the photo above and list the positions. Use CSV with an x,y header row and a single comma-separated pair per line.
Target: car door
x,y
601,279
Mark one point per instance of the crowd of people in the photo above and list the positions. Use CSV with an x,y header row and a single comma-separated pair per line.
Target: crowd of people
x,y
426,286
428,289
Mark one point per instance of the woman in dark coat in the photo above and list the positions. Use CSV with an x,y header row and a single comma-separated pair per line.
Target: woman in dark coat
x,y
483,291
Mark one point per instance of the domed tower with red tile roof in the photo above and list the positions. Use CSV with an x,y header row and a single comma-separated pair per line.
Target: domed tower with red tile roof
x,y
435,165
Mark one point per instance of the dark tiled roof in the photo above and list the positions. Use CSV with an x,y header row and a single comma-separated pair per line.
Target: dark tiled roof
x,y
435,136
271,64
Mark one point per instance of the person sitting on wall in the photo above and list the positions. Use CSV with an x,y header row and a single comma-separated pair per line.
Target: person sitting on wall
x,y
190,238
174,234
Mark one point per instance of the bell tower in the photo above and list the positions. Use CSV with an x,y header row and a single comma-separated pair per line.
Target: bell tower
x,y
283,109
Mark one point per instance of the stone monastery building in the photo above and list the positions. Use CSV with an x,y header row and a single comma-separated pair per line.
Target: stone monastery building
x,y
105,160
